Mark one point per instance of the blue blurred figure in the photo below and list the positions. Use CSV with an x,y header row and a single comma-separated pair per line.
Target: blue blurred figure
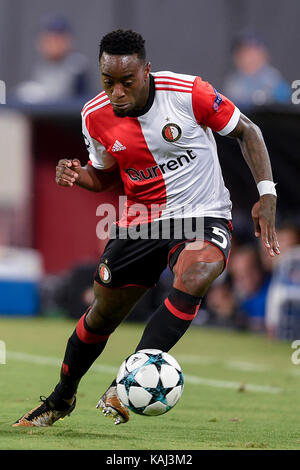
x,y
250,285
254,81
60,74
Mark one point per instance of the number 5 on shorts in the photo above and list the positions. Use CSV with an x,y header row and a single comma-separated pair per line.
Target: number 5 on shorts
x,y
221,233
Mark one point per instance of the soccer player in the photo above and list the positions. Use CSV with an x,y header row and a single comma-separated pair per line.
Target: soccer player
x,y
154,131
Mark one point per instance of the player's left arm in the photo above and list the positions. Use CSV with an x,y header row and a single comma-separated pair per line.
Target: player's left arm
x,y
214,110
256,156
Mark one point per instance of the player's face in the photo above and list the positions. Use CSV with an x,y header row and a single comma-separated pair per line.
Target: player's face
x,y
125,79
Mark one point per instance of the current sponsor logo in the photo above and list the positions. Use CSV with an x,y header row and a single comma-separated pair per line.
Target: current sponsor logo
x,y
171,132
158,170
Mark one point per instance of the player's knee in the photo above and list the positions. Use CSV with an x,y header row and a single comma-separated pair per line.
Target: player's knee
x,y
199,276
102,318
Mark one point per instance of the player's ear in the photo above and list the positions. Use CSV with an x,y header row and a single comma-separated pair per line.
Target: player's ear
x,y
147,70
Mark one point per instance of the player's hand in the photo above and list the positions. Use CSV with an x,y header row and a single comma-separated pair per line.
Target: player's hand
x,y
263,214
67,172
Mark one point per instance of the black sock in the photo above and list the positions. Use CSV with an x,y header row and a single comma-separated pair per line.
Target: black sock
x,y
83,348
170,321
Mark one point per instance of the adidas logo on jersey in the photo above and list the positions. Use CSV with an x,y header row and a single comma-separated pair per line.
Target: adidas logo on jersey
x,y
118,146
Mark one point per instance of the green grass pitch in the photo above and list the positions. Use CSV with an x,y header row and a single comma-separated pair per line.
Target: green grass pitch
x,y
241,392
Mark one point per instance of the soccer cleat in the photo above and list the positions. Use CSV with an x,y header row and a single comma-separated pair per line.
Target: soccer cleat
x,y
46,414
112,407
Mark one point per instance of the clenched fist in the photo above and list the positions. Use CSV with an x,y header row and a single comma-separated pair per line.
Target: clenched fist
x,y
67,172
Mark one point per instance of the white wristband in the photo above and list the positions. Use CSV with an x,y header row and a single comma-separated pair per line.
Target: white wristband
x,y
266,187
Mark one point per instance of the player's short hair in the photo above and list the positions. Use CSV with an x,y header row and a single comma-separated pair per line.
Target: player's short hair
x,y
122,42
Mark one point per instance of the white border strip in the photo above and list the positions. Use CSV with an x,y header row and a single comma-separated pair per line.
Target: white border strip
x,y
159,81
93,100
90,110
230,126
92,105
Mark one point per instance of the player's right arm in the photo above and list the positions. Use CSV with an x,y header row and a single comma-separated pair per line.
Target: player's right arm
x,y
70,172
102,172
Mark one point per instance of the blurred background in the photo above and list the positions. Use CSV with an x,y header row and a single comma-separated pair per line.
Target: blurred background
x,y
49,64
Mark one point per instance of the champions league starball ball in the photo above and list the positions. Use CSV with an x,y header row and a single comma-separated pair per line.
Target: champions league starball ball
x,y
150,382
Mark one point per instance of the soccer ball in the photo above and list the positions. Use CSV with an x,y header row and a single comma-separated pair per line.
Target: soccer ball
x,y
150,382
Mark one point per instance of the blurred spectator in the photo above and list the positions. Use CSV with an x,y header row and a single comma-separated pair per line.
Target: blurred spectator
x,y
250,285
283,301
69,292
288,235
60,73
221,307
254,81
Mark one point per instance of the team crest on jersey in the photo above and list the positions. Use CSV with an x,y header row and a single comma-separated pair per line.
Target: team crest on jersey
x,y
104,273
171,132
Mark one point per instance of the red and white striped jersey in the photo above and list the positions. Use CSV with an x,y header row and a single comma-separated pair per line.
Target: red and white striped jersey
x,y
167,156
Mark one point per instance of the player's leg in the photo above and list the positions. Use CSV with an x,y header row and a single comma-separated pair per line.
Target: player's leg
x,y
193,276
110,307
197,266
